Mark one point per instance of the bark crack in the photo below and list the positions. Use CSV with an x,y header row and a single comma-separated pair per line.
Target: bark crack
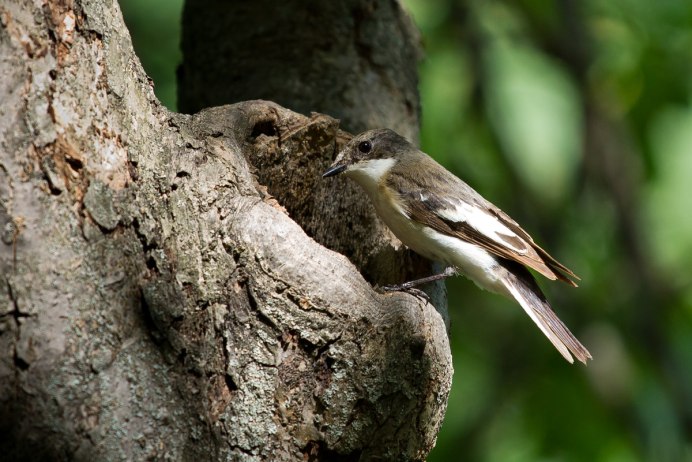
x,y
17,315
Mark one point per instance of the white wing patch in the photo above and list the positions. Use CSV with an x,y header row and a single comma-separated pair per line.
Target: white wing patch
x,y
483,222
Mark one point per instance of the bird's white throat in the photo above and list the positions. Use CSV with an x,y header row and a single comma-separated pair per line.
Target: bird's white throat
x,y
368,173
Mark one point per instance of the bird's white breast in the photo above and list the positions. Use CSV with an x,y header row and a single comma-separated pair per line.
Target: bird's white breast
x,y
473,261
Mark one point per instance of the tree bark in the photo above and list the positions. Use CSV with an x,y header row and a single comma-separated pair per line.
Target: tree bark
x,y
353,59
158,301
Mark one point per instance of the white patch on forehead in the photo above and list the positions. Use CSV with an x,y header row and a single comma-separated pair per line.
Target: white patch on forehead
x,y
481,221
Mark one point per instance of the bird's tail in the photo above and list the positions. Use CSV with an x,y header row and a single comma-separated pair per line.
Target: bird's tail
x,y
523,287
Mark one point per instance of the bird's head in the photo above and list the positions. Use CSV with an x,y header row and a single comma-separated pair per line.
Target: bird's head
x,y
370,155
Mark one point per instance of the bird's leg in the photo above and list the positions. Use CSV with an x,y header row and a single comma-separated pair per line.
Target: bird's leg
x,y
449,271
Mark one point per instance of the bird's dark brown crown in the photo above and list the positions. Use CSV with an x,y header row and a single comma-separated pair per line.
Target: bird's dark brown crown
x,y
381,143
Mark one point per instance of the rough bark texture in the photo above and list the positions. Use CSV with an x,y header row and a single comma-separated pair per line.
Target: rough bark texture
x,y
156,301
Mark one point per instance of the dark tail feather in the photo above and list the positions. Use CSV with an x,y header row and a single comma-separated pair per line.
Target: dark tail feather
x,y
525,290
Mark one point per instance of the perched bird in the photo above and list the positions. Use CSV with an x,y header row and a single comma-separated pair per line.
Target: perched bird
x,y
443,219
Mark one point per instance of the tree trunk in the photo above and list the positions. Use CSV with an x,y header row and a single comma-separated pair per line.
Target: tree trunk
x,y
352,59
158,296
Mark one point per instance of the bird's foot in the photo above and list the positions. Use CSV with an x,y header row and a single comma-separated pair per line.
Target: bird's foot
x,y
410,286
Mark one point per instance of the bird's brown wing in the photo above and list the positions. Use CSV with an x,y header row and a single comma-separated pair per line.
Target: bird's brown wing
x,y
563,273
477,221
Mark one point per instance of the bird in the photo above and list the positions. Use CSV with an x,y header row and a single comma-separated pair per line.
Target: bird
x,y
440,217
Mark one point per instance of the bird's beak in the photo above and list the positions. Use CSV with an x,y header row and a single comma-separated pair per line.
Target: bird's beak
x,y
334,170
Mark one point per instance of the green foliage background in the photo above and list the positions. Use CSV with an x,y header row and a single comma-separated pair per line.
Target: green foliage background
x,y
575,117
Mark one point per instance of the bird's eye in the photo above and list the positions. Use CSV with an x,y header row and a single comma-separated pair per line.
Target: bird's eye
x,y
365,147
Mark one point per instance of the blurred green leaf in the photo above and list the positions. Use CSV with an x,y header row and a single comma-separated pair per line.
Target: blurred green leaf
x,y
535,110
668,218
